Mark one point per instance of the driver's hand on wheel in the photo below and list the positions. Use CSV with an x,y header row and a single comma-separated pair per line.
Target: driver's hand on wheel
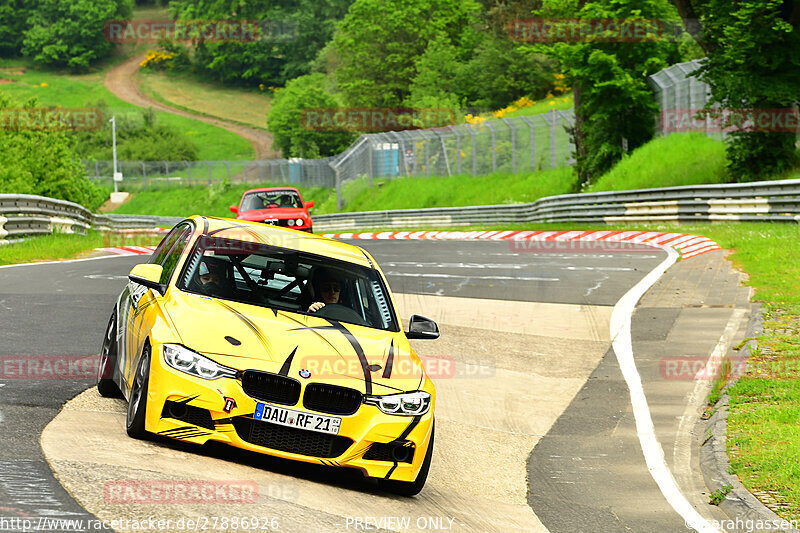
x,y
316,306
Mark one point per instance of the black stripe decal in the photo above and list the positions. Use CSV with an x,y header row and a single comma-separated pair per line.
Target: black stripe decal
x,y
219,230
188,399
311,328
249,323
359,352
408,430
288,363
391,470
387,372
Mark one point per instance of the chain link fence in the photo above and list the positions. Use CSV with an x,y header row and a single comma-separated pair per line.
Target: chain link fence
x,y
506,145
680,95
518,144
151,175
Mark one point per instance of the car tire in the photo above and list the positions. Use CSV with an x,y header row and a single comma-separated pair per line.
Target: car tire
x,y
108,360
137,402
411,488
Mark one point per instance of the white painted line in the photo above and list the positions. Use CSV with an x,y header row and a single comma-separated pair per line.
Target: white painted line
x,y
64,262
651,448
455,276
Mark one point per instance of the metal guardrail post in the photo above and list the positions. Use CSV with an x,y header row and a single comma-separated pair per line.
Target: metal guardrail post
x,y
533,141
458,149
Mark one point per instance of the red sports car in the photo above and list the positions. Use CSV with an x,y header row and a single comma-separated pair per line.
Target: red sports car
x,y
279,206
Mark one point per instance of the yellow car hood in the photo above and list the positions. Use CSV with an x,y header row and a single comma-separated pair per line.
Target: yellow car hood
x,y
244,336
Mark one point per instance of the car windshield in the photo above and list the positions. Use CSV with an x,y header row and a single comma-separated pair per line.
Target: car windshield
x,y
270,199
285,279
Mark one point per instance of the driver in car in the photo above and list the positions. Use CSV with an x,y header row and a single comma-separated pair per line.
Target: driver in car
x,y
328,288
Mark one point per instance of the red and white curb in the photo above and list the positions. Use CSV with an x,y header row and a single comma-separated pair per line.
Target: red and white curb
x,y
688,245
129,250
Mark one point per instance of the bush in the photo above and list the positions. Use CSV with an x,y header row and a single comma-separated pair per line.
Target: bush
x,y
139,137
287,124
43,163
69,33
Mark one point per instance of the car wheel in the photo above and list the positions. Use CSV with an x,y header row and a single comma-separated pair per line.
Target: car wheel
x,y
137,403
108,360
411,488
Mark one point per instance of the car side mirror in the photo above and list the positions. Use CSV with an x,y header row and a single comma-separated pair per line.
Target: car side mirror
x,y
149,276
310,204
420,327
234,209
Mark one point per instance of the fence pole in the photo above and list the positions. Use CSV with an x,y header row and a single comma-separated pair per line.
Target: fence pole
x,y
513,145
210,175
494,146
553,124
189,172
458,150
339,199
533,141
144,175
228,167
474,151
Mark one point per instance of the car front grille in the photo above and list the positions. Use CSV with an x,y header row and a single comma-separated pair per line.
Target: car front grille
x,y
331,399
271,387
291,440
402,452
283,222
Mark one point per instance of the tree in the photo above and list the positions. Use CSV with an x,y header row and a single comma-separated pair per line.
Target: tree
x,y
294,133
69,33
13,22
752,63
291,34
43,163
614,106
379,43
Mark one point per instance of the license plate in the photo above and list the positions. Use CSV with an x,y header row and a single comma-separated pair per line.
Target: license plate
x,y
296,419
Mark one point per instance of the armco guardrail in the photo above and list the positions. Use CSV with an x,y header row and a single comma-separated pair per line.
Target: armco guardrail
x,y
767,201
777,201
23,215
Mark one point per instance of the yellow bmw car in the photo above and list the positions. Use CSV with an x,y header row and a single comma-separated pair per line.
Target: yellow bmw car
x,y
275,341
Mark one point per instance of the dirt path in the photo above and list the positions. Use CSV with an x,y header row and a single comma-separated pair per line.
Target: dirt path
x,y
122,81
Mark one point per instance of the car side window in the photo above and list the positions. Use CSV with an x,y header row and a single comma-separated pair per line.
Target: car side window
x,y
174,255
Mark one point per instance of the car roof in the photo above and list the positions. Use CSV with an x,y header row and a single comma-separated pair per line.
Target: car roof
x,y
281,237
268,189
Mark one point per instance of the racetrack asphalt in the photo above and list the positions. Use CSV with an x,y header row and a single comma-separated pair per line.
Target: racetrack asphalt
x,y
62,309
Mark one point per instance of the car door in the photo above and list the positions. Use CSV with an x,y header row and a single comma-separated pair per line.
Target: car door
x,y
141,304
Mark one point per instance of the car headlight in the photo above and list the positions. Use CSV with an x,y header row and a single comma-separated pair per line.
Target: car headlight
x,y
299,221
192,363
406,404
291,222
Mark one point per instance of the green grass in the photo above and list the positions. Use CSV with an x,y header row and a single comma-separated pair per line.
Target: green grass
x,y
193,94
86,90
49,247
678,159
211,201
417,193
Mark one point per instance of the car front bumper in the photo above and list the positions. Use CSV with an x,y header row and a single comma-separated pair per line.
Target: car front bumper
x,y
193,409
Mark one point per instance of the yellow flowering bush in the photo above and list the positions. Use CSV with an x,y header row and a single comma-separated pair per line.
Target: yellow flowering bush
x,y
157,58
